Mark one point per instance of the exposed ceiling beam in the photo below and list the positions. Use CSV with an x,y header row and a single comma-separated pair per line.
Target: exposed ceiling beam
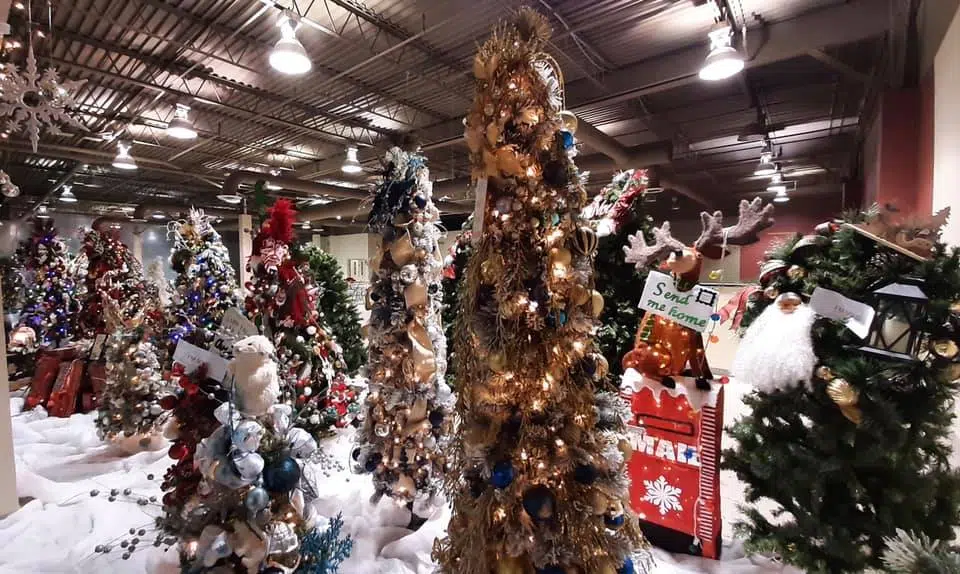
x,y
836,65
837,25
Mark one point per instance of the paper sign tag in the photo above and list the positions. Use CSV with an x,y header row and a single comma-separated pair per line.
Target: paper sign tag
x,y
692,308
854,315
236,324
193,357
479,210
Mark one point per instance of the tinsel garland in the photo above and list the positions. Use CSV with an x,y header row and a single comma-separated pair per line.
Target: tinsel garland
x,y
539,480
406,415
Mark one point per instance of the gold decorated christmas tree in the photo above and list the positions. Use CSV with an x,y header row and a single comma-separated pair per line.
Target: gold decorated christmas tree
x,y
538,483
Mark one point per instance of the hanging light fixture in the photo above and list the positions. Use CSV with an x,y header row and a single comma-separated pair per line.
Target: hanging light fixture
x,y
43,212
181,127
124,160
66,196
781,197
351,164
776,184
723,60
288,56
230,198
766,166
305,226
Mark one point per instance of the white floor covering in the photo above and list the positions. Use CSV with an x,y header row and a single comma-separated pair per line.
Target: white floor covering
x,y
59,461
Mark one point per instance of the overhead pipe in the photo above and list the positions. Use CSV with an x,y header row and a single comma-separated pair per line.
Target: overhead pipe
x,y
233,182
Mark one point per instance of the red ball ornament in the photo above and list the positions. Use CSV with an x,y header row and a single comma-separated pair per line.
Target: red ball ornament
x,y
178,451
724,380
302,400
169,402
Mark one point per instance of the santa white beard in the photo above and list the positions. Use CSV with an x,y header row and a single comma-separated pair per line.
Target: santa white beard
x,y
777,351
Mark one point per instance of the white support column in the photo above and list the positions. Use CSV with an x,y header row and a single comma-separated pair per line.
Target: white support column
x,y
137,247
245,224
8,473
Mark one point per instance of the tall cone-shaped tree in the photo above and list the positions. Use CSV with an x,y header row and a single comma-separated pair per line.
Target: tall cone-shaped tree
x,y
112,273
49,291
206,283
616,213
407,409
539,483
454,269
334,304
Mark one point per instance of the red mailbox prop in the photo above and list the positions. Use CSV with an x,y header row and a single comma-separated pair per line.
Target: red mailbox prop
x,y
674,469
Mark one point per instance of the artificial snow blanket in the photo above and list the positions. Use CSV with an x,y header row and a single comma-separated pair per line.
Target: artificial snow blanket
x,y
61,461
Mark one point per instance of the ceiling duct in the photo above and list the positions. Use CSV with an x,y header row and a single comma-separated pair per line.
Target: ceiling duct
x,y
233,182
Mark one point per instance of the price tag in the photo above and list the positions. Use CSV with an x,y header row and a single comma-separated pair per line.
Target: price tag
x,y
233,327
193,357
692,308
855,315
479,210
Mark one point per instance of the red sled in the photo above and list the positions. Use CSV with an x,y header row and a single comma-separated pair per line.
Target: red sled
x,y
674,469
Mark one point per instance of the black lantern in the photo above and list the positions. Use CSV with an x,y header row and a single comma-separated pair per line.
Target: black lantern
x,y
896,332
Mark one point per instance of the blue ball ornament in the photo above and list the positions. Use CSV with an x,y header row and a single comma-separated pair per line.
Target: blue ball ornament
x,y
502,474
538,502
567,139
420,201
585,473
552,569
282,476
613,522
627,567
256,500
436,418
372,462
715,316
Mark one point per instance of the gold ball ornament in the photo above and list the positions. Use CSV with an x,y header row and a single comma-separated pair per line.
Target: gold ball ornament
x,y
796,272
945,349
585,241
824,373
625,448
602,366
771,292
579,294
596,302
569,121
846,397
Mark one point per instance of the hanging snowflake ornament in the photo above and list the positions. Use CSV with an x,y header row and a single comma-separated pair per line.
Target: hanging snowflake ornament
x,y
7,187
662,494
31,100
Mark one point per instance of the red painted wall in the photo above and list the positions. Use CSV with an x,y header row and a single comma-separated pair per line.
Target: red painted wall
x,y
924,203
897,174
801,219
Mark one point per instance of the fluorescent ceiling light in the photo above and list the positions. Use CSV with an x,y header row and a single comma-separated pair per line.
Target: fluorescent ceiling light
x,y
124,160
67,196
723,60
158,215
230,198
181,127
288,55
351,164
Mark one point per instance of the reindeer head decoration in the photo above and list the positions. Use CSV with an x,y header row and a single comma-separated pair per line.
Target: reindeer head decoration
x,y
685,261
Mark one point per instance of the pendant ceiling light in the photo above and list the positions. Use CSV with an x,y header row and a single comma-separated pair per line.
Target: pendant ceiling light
x,y
723,60
351,164
181,127
288,56
781,197
230,198
66,196
42,212
124,160
776,184
766,166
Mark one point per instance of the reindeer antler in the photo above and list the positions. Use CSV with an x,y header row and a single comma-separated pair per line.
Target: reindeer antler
x,y
642,255
754,217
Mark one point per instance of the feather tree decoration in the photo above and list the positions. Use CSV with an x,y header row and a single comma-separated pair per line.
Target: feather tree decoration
x,y
282,217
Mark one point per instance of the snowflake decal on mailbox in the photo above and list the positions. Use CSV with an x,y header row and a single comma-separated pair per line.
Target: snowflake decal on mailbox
x,y
663,495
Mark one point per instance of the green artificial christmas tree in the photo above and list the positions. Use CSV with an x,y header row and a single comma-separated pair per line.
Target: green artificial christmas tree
x,y
334,304
849,427
616,212
454,267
